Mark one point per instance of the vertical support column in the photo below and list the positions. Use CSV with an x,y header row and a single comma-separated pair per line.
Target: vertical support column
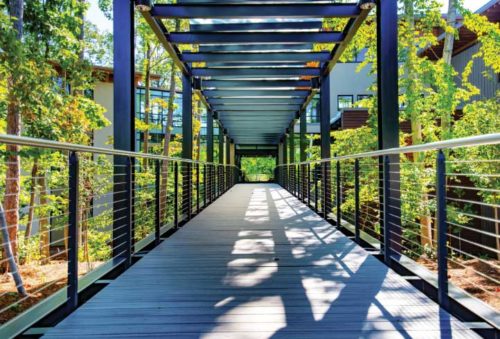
x,y
388,119
187,142
338,194
356,201
285,163
291,147
207,174
325,138
123,126
210,136
176,195
279,160
303,155
221,145
197,187
73,222
442,230
157,201
228,162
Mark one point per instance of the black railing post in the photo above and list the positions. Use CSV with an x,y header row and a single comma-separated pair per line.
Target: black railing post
x,y
309,184
299,193
176,194
386,209
157,201
73,221
338,195
189,194
315,177
356,200
197,187
324,192
442,230
205,181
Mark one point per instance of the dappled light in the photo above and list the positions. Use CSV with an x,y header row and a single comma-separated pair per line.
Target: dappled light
x,y
229,273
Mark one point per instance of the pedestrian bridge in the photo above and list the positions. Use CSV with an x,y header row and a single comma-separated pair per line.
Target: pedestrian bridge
x,y
258,263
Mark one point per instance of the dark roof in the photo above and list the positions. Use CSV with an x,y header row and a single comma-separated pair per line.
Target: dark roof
x,y
466,38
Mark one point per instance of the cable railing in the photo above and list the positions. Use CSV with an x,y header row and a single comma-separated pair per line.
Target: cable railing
x,y
434,207
73,213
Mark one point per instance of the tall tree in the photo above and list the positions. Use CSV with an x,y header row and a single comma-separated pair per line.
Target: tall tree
x,y
448,103
12,185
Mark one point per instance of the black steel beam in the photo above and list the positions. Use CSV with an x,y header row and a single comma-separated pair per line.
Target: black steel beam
x,y
349,31
123,126
210,137
302,138
388,123
273,57
270,26
210,93
221,145
187,118
249,84
228,38
237,108
260,101
247,11
254,48
291,141
255,72
325,117
162,33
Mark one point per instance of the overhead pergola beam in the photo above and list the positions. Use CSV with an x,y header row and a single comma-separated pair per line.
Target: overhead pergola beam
x,y
255,11
249,48
252,84
255,38
260,26
162,33
253,93
237,108
254,115
256,72
350,30
281,57
250,102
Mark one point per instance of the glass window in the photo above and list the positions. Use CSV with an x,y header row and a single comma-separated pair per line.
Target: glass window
x,y
363,96
344,101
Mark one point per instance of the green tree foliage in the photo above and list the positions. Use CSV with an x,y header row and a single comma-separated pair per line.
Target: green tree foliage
x,y
430,92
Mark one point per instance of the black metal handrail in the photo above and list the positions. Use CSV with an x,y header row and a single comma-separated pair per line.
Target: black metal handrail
x,y
91,210
434,205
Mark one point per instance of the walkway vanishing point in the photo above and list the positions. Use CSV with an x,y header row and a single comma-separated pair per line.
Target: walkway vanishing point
x,y
258,263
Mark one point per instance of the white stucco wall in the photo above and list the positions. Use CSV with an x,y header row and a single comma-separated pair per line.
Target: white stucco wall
x,y
345,80
103,95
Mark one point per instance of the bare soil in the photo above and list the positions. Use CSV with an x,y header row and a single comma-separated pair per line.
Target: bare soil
x,y
40,282
464,274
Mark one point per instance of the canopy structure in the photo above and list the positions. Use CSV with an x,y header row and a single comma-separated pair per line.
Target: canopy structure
x,y
256,65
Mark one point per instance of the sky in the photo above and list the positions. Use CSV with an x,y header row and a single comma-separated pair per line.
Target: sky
x,y
96,16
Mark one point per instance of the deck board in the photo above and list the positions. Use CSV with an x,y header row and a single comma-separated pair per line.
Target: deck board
x,y
257,263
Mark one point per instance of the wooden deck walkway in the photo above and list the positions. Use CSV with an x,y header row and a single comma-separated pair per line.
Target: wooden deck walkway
x,y
259,264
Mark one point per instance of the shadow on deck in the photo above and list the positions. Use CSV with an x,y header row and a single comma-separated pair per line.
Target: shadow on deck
x,y
258,263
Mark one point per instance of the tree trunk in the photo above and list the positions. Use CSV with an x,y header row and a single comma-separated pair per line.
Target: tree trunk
x,y
13,172
10,255
168,136
147,100
44,223
416,126
29,224
449,39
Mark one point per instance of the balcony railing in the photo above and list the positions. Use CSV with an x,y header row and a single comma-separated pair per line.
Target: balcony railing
x,y
84,211
433,207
